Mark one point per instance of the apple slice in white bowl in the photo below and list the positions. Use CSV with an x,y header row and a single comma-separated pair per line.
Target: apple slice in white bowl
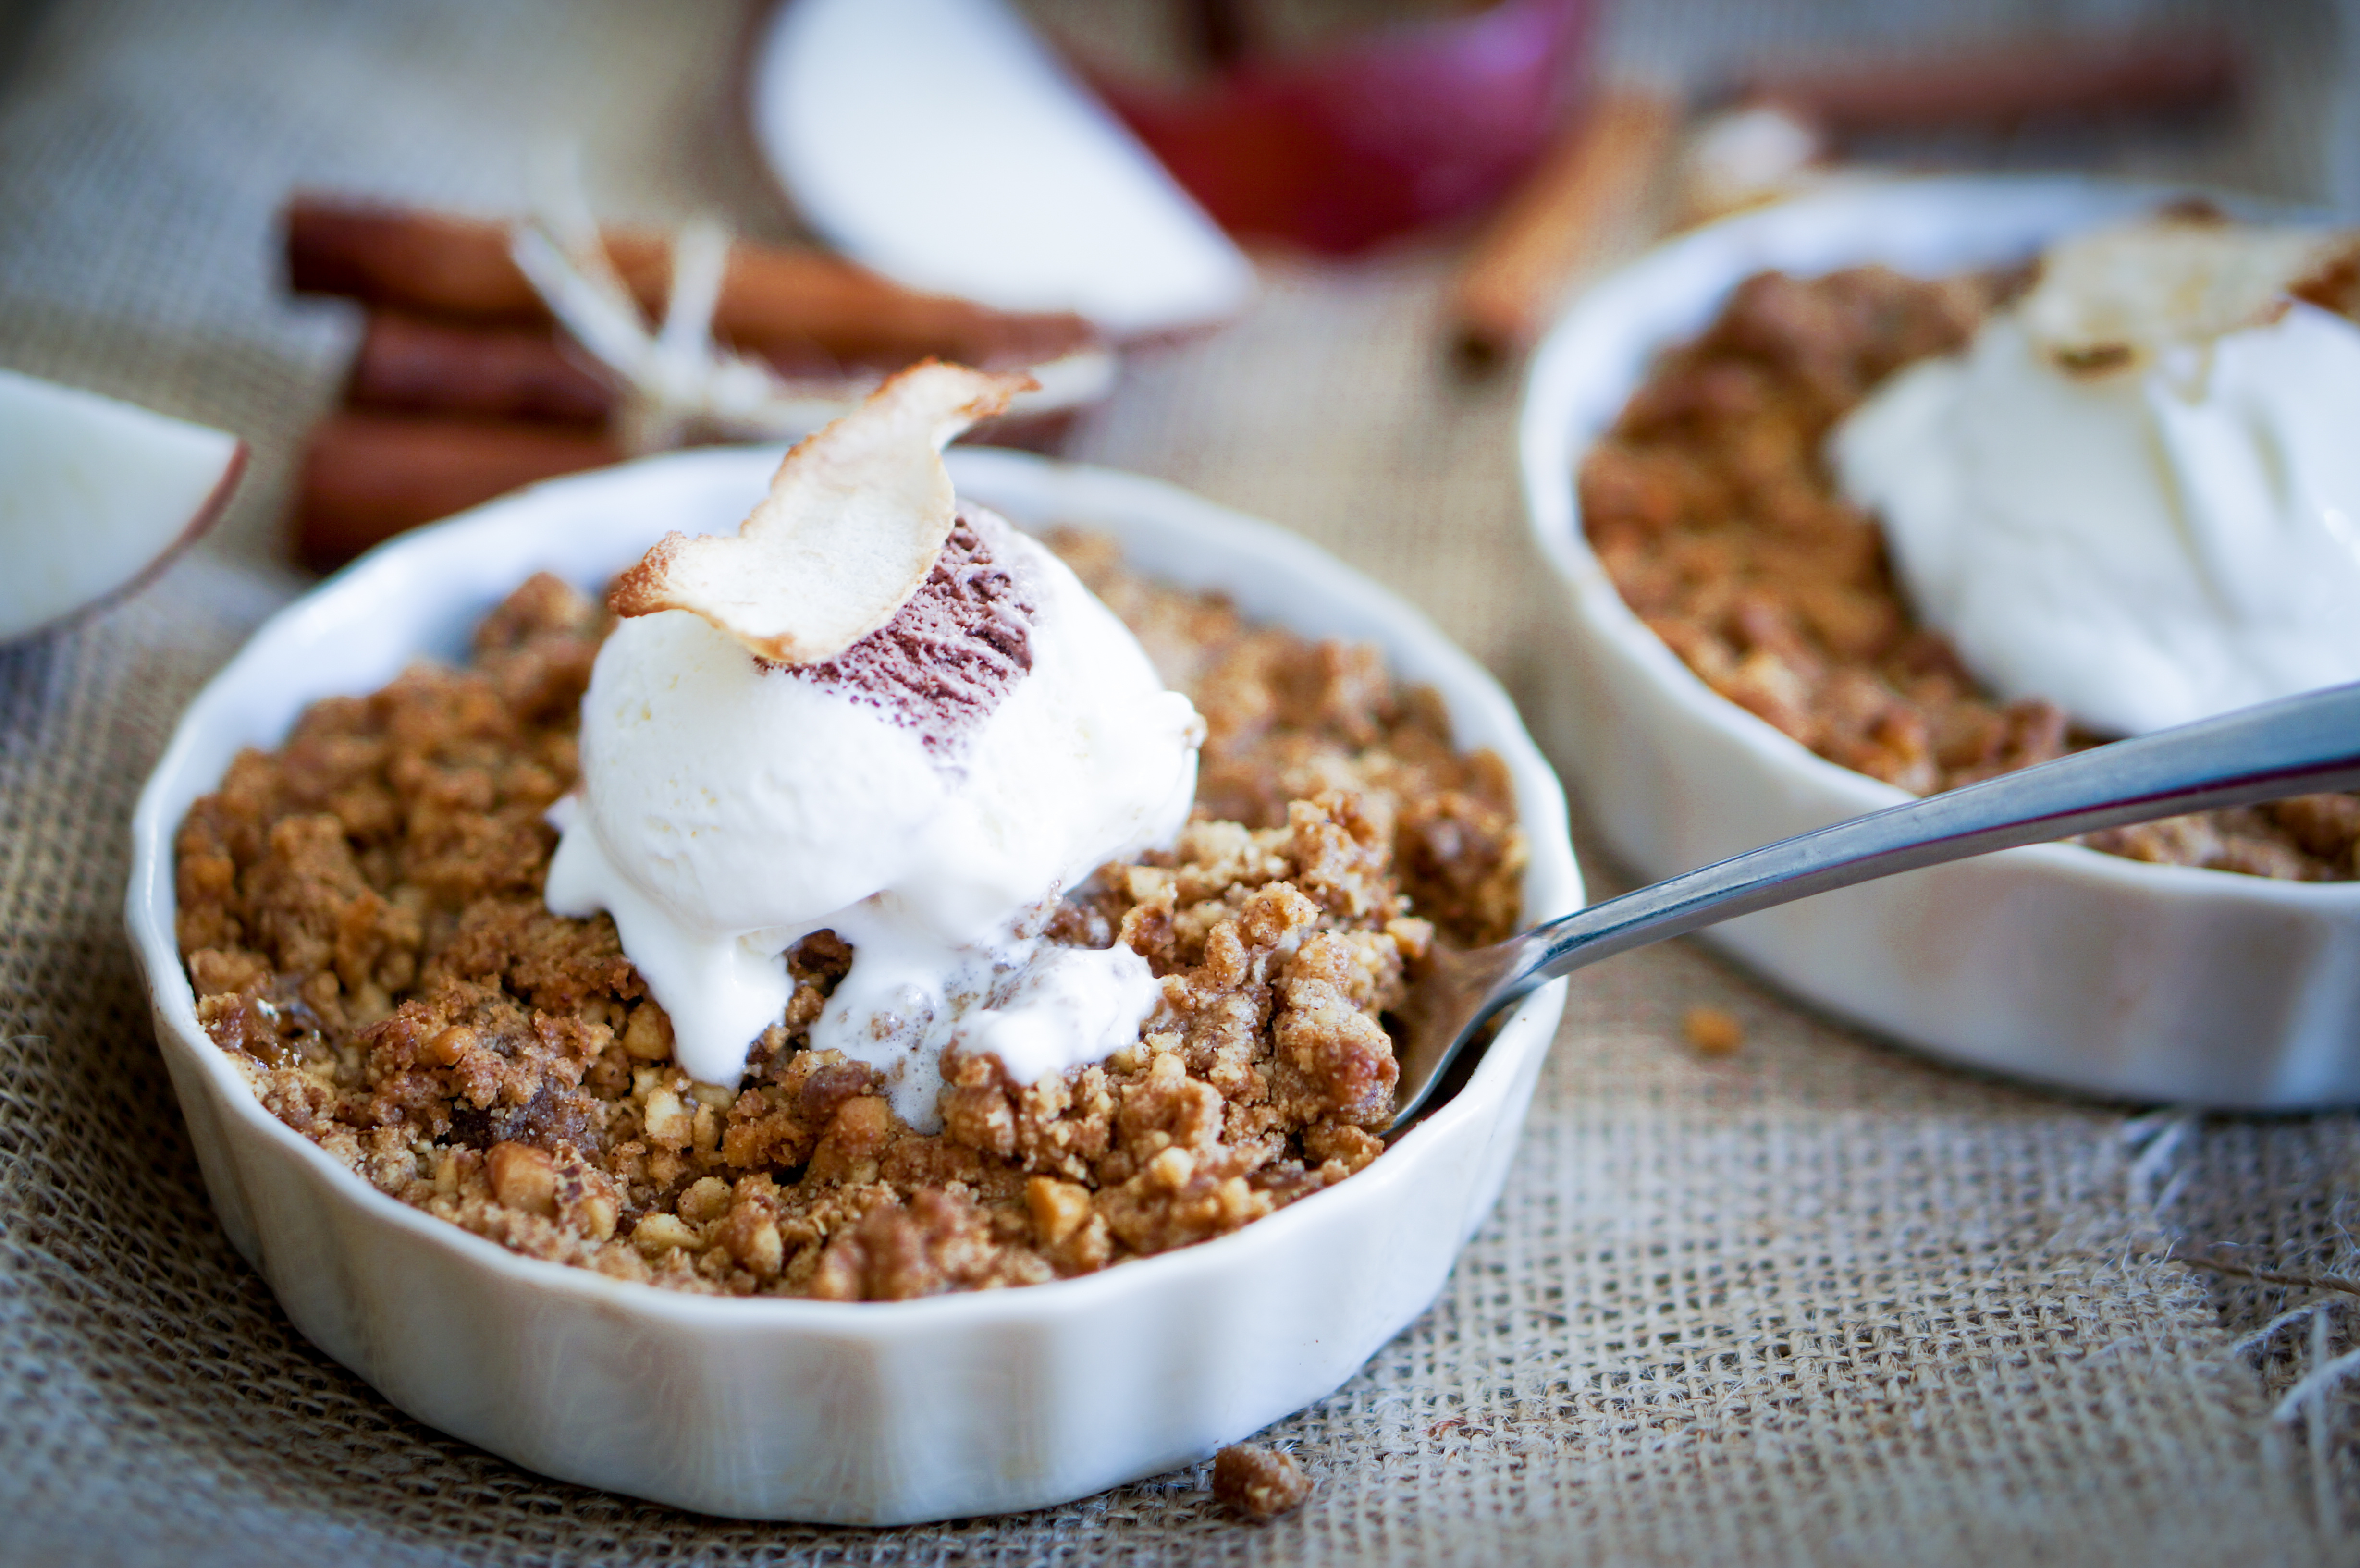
x,y
100,495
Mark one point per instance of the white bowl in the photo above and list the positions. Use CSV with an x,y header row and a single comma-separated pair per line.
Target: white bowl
x,y
2056,962
867,1413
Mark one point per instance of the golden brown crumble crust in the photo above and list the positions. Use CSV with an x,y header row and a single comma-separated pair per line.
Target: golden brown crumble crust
x,y
1711,509
361,916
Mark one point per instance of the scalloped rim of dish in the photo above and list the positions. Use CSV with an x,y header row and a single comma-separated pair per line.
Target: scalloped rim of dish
x,y
151,903
1555,433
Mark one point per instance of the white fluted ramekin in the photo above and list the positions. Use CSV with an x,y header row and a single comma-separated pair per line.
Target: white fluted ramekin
x,y
2056,963
867,1413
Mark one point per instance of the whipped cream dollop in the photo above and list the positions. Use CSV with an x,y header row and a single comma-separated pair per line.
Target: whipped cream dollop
x,y
927,795
2147,530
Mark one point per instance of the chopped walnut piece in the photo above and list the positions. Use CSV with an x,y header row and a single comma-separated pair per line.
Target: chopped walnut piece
x,y
1715,1032
1259,1483
522,1177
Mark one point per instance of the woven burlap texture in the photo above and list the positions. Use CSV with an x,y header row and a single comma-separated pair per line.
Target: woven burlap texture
x,y
1816,1302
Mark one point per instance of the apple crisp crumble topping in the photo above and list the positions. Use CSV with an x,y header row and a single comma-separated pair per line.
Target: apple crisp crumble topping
x,y
1712,511
361,916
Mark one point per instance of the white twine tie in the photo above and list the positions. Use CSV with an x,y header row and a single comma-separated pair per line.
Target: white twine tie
x,y
677,384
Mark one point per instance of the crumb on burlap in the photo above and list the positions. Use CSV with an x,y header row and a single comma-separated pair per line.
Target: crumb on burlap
x,y
1715,1032
1712,510
1259,1483
361,916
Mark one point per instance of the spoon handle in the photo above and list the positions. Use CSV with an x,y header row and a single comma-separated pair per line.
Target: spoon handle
x,y
2300,745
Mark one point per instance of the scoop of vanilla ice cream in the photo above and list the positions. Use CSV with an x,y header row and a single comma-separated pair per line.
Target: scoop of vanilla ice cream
x,y
729,808
2145,548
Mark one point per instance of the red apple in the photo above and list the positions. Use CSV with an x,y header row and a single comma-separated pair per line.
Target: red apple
x,y
1392,130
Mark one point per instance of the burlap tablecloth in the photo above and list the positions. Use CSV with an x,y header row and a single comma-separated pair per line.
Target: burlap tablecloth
x,y
1817,1301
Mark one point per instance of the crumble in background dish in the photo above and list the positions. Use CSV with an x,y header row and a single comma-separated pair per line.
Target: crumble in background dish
x,y
1714,512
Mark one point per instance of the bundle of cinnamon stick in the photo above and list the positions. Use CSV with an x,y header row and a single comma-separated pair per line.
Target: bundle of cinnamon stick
x,y
463,387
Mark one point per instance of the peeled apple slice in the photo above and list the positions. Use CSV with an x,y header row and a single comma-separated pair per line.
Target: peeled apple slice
x,y
2120,296
95,495
941,143
854,520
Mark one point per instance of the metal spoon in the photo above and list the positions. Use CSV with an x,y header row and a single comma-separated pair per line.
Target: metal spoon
x,y
2298,746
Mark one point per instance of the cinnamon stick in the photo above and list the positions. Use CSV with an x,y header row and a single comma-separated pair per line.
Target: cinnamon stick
x,y
1583,196
2059,78
366,476
413,365
488,370
785,304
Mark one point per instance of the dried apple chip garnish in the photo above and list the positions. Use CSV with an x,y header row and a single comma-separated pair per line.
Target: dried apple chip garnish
x,y
854,520
2115,298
